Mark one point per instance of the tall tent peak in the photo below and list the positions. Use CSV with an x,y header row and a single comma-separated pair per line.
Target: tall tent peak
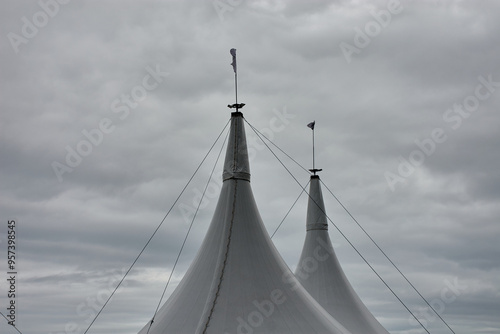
x,y
236,165
238,282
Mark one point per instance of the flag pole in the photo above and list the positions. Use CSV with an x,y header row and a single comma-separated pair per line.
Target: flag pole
x,y
236,88
314,167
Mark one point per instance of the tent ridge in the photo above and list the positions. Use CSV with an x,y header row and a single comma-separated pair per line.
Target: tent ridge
x,y
224,262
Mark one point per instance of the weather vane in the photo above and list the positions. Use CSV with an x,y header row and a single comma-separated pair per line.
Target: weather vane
x,y
235,105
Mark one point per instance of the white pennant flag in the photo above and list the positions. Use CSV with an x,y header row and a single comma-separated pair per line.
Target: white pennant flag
x,y
233,53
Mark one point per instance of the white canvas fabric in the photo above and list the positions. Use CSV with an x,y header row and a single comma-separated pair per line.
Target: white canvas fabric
x,y
320,273
238,282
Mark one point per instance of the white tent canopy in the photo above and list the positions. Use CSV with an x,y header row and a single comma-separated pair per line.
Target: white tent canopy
x,y
320,273
238,282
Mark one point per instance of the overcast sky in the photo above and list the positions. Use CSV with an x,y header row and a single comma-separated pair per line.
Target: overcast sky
x,y
108,107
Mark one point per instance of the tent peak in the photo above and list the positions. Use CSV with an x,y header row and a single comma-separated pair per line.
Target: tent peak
x,y
236,165
238,281
316,217
328,283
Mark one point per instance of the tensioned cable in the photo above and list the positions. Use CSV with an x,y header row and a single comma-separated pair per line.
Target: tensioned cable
x,y
343,235
10,324
369,265
157,228
387,257
269,140
187,234
374,242
277,228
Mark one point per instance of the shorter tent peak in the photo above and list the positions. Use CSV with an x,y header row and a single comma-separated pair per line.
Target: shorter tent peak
x,y
327,283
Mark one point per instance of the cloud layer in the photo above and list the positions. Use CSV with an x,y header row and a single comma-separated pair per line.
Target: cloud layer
x,y
108,108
